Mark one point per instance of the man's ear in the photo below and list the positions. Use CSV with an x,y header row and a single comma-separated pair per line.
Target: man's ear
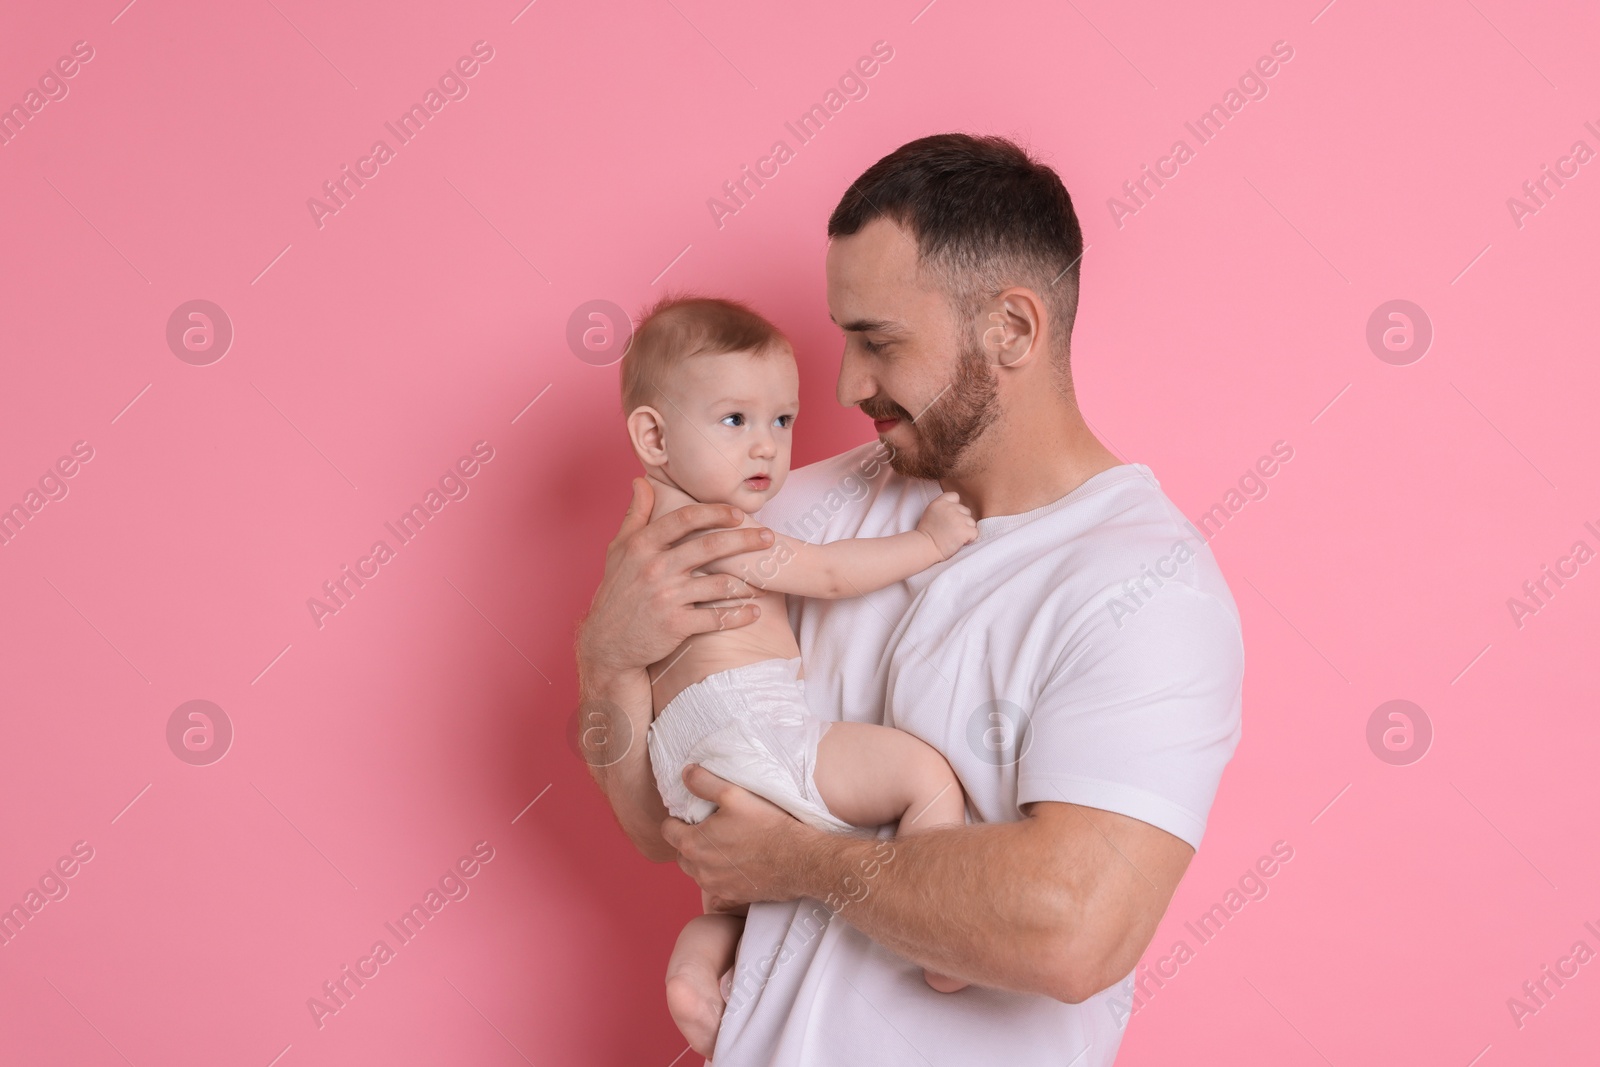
x,y
1015,320
648,432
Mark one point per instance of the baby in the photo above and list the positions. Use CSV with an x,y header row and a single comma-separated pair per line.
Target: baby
x,y
711,392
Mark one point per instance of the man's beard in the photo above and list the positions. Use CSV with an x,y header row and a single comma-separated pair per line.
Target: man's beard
x,y
951,423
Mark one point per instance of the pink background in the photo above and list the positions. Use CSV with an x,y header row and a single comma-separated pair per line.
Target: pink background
x,y
369,354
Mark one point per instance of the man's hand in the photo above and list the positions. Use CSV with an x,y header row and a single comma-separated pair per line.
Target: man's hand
x,y
648,602
749,849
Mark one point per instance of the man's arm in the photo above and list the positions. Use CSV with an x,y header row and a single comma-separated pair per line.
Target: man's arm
x,y
1060,903
1063,901
647,604
613,713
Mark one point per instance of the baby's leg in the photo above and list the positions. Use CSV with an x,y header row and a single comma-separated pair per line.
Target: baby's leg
x,y
869,775
705,950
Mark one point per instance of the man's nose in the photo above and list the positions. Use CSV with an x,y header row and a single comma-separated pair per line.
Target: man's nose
x,y
855,384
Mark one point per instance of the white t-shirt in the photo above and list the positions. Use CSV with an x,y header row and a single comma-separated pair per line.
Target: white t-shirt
x,y
1086,651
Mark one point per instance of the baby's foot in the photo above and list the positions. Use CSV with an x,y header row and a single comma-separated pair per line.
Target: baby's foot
x,y
694,997
944,983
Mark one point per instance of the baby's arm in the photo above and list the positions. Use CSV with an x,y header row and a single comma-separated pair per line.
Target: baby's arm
x,y
852,566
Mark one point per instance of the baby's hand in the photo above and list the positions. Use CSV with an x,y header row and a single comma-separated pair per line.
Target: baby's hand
x,y
949,522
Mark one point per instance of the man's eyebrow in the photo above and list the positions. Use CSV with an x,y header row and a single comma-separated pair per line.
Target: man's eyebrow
x,y
871,325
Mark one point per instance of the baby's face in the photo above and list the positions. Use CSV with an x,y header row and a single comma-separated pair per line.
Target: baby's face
x,y
730,421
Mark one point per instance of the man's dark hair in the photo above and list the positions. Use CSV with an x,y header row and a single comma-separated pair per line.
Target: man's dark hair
x,y
985,216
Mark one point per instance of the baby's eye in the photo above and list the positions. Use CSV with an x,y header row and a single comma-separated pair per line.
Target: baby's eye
x,y
784,421
736,416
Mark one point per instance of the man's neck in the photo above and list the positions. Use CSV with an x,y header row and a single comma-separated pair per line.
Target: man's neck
x,y
1029,458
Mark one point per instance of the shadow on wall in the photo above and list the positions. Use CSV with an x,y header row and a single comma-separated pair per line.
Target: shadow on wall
x,y
555,556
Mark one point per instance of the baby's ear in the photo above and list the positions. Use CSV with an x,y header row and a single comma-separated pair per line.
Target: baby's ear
x,y
648,432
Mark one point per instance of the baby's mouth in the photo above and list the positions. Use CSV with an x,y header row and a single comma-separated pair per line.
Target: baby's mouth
x,y
760,481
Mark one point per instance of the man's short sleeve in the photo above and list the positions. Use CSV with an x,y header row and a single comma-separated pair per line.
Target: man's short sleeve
x,y
1141,713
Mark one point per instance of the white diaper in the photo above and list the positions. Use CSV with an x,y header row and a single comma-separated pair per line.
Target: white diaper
x,y
749,725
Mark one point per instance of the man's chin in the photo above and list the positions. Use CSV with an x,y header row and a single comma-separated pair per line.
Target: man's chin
x,y
906,459
909,465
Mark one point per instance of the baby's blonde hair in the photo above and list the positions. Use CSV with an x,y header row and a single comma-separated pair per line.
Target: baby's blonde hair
x,y
678,328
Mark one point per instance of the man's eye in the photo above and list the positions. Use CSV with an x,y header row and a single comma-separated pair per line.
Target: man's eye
x,y
735,416
871,346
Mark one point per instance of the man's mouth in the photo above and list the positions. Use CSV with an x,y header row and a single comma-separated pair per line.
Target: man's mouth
x,y
881,423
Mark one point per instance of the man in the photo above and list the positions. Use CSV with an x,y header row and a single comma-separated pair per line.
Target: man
x,y
1079,664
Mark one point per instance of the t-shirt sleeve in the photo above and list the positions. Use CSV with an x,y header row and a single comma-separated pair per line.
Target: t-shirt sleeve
x,y
1141,713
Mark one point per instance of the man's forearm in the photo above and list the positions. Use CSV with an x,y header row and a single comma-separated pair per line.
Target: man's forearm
x,y
613,716
983,902
1061,902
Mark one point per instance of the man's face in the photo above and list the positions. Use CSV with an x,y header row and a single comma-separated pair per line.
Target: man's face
x,y
908,361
